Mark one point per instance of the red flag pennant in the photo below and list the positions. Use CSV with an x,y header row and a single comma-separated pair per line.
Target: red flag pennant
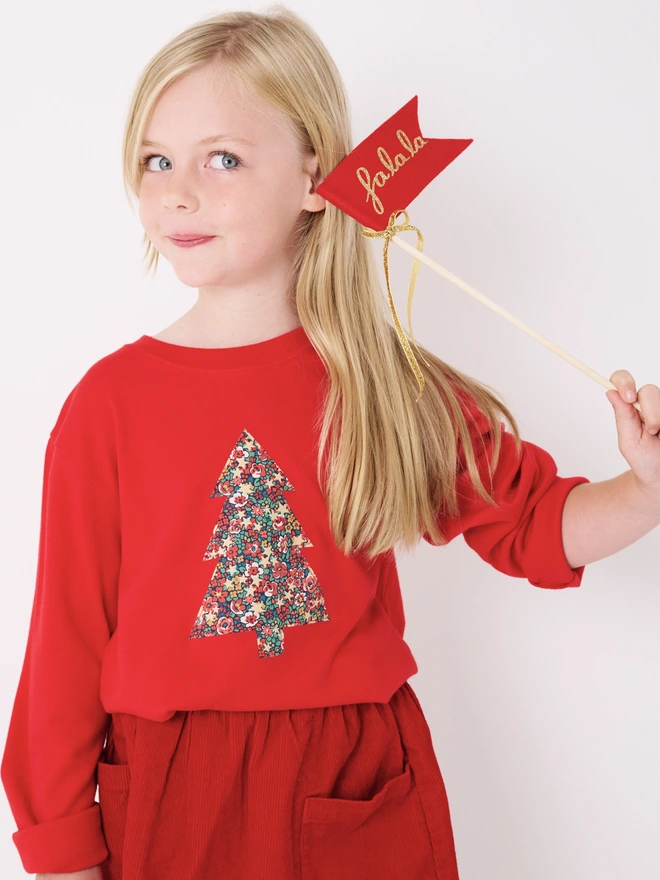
x,y
388,169
379,179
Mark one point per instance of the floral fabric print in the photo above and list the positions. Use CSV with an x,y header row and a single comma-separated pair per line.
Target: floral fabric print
x,y
261,581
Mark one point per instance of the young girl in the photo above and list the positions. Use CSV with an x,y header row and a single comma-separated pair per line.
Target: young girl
x,y
217,630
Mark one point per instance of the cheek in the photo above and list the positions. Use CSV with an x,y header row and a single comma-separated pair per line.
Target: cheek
x,y
269,215
150,203
260,231
144,209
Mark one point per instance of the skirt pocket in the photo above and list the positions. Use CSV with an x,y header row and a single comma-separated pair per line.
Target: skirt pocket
x,y
385,836
114,784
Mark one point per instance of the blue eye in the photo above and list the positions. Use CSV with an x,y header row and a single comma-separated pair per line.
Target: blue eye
x,y
229,156
144,162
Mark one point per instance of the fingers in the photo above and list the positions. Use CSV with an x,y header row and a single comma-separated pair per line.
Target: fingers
x,y
648,397
649,400
625,385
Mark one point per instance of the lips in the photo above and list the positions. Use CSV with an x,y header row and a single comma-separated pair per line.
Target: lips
x,y
194,236
191,242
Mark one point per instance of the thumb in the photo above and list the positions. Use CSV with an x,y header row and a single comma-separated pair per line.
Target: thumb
x,y
628,421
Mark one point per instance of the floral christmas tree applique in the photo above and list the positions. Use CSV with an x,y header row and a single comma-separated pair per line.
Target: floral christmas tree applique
x,y
261,581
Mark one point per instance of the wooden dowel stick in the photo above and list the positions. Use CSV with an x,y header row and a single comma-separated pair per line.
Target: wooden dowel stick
x,y
421,256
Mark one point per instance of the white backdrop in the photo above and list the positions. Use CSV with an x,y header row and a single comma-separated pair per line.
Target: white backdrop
x,y
543,705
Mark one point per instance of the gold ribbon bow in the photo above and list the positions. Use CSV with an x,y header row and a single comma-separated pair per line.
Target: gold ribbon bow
x,y
392,229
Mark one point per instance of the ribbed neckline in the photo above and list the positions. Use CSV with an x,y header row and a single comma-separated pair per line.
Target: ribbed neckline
x,y
272,350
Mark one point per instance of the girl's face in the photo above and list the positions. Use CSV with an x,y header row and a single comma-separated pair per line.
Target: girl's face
x,y
246,189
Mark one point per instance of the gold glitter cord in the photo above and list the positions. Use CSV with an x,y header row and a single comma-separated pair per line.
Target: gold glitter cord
x,y
392,229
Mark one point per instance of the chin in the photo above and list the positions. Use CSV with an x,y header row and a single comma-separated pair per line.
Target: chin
x,y
198,277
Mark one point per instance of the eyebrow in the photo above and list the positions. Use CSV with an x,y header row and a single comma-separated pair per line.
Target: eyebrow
x,y
209,140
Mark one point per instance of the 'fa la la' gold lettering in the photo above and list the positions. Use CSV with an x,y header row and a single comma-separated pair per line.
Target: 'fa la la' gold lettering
x,y
380,178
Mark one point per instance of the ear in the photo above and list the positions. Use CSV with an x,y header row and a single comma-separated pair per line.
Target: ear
x,y
312,201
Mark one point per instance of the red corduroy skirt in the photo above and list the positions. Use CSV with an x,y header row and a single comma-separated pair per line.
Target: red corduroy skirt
x,y
350,792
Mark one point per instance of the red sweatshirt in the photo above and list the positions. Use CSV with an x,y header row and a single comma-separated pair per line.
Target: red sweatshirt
x,y
185,562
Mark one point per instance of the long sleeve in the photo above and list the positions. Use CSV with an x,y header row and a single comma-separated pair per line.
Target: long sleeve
x,y
524,537
58,724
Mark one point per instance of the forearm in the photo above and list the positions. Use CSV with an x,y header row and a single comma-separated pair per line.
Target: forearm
x,y
601,518
88,874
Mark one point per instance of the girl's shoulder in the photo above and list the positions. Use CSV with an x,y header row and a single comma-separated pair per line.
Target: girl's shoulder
x,y
87,415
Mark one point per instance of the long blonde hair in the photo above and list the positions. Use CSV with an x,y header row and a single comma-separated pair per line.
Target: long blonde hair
x,y
387,464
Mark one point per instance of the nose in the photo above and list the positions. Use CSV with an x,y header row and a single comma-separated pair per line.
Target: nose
x,y
180,191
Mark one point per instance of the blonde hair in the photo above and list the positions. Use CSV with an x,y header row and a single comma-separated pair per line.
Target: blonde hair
x,y
386,464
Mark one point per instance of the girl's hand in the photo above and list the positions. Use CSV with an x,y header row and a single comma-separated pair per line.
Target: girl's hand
x,y
87,874
638,432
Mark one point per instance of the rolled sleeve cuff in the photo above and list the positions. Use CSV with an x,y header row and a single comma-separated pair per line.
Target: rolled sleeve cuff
x,y
63,845
554,572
